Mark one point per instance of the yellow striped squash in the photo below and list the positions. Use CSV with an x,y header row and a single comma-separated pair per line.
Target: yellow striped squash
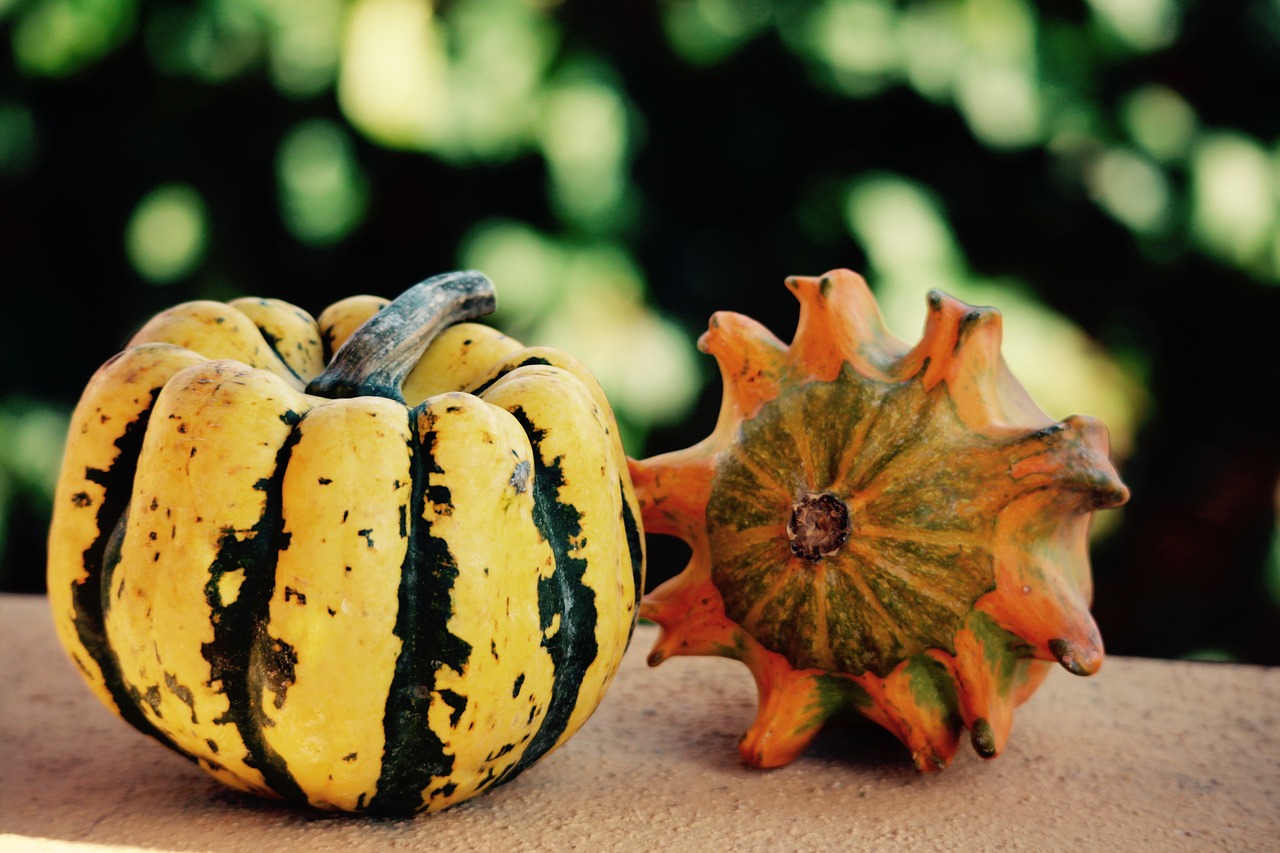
x,y
382,585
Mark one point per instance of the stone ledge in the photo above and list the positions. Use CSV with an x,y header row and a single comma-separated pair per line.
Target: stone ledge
x,y
1146,755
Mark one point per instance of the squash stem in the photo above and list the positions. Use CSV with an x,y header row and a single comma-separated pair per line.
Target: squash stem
x,y
375,360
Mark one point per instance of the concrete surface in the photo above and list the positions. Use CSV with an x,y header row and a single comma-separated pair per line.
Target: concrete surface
x,y
1147,755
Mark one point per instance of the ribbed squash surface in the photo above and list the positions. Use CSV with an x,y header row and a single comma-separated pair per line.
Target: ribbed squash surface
x,y
368,603
877,527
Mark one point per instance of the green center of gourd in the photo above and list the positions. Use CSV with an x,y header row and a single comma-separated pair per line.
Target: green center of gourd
x,y
851,523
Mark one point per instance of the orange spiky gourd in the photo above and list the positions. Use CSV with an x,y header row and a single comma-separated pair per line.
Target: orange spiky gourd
x,y
893,529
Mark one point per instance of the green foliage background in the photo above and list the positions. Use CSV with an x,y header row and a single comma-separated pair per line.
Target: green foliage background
x,y
1105,172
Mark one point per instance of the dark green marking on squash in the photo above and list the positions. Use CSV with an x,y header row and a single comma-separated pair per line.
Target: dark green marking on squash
x,y
414,754
91,600
184,694
457,702
635,547
242,656
150,696
273,344
278,671
536,360
573,647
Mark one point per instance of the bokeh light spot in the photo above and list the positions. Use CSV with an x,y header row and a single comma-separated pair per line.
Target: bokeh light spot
x,y
1159,121
1234,197
323,193
705,32
1144,25
167,233
1131,189
56,38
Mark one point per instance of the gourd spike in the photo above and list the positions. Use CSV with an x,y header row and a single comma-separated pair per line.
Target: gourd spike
x,y
673,602
989,668
1035,597
673,490
791,711
840,322
1045,598
917,703
750,358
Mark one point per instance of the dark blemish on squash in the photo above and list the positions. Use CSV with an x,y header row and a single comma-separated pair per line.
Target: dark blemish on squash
x,y
332,612
182,428
515,689
457,702
213,745
347,568
193,453
152,698
290,592
349,757
183,693
345,513
404,521
279,665
520,477
367,533
81,499
445,790
493,647
152,536
155,504
324,481
824,286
